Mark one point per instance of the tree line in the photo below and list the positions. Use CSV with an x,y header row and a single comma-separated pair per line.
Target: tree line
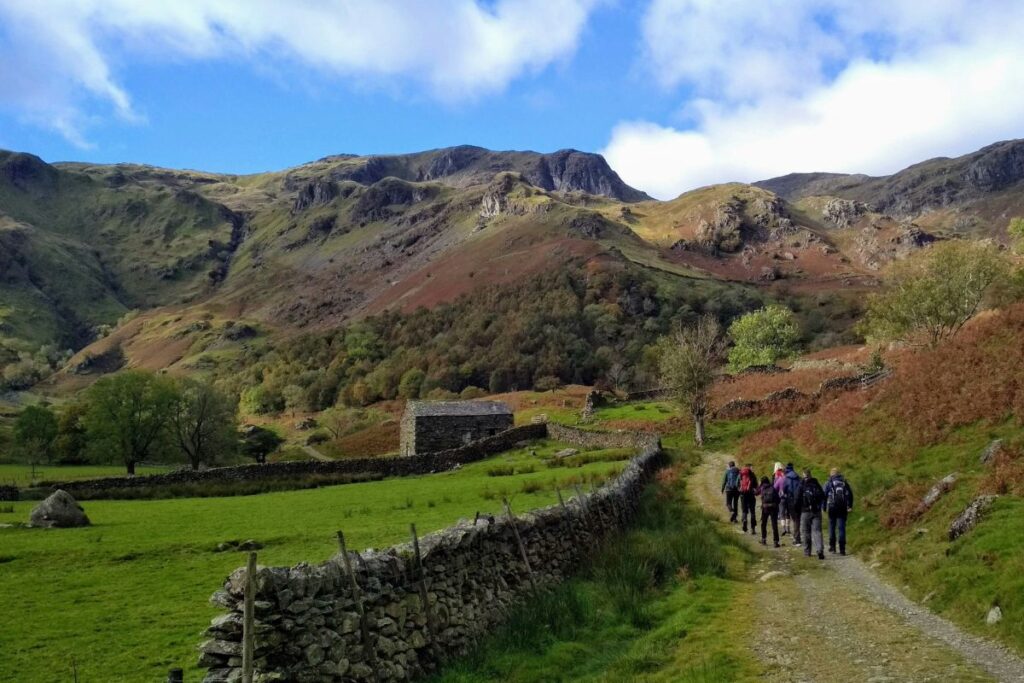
x,y
138,416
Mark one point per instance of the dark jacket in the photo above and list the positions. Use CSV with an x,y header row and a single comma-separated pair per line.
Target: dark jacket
x,y
828,490
731,480
816,490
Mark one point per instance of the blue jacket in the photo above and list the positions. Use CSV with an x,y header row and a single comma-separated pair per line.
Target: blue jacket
x,y
831,485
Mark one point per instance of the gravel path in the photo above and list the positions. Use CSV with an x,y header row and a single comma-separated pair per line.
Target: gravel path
x,y
838,621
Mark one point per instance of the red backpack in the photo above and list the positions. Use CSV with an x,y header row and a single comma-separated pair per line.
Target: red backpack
x,y
747,483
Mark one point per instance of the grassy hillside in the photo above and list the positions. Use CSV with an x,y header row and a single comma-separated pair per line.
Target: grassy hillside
x,y
935,417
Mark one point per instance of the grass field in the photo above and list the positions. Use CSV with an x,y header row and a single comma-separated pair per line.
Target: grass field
x,y
21,475
126,599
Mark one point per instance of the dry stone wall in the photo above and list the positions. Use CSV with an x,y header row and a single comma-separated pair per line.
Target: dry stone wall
x,y
308,625
424,463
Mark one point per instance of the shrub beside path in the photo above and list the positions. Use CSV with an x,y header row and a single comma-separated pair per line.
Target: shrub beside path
x,y
838,621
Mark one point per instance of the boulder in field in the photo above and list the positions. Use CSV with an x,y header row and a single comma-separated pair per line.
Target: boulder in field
x,y
60,510
970,517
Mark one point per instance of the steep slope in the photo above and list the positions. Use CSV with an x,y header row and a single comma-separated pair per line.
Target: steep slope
x,y
973,194
85,248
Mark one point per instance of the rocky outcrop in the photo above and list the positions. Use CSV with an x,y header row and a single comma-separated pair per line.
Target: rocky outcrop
x,y
373,204
315,193
59,510
843,212
568,170
496,200
969,518
406,615
724,231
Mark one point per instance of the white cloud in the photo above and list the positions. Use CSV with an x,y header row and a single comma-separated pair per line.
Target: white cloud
x,y
823,85
61,55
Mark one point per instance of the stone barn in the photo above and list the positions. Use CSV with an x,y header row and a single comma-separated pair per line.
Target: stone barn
x,y
429,426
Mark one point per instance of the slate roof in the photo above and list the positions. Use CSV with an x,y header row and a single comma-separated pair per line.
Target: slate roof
x,y
456,408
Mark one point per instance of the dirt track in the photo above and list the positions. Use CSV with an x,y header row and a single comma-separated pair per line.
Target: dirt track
x,y
836,620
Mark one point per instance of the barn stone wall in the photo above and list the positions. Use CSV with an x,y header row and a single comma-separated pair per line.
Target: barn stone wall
x,y
308,625
429,433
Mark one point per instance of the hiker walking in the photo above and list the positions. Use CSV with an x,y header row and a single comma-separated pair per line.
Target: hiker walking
x,y
731,489
838,502
779,484
790,489
769,510
810,500
748,497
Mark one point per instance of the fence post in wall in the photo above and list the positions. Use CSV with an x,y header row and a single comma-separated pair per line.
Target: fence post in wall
x,y
519,542
357,597
424,597
249,619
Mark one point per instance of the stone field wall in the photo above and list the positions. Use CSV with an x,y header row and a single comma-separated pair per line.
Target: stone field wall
x,y
389,467
308,626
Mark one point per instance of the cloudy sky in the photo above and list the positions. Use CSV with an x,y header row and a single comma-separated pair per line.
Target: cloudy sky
x,y
676,93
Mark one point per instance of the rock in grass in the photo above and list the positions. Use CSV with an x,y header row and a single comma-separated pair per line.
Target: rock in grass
x,y
772,575
969,518
60,510
995,615
991,450
936,492
565,453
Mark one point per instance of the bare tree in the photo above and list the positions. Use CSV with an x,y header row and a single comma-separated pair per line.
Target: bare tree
x,y
202,421
689,362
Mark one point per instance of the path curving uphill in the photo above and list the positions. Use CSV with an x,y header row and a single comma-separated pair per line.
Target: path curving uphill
x,y
838,621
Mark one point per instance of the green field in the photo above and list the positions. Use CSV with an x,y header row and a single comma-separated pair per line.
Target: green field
x,y
21,475
126,599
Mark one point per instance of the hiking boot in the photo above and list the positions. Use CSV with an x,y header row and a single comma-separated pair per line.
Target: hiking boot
x,y
776,544
821,556
785,531
764,541
842,551
807,553
831,548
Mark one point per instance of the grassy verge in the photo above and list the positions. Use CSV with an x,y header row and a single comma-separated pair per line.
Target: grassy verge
x,y
127,597
655,604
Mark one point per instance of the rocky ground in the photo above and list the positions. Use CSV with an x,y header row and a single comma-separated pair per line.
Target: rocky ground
x,y
836,620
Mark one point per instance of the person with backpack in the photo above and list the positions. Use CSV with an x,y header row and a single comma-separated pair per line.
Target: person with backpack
x,y
769,510
779,484
748,497
731,489
810,502
839,502
790,489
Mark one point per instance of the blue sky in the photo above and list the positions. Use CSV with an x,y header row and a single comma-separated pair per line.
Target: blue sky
x,y
676,93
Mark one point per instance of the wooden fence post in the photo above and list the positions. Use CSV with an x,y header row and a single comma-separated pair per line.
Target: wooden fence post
x,y
519,542
249,619
424,598
357,596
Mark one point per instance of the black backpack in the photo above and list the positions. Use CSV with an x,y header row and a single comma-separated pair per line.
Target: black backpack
x,y
838,496
811,498
770,498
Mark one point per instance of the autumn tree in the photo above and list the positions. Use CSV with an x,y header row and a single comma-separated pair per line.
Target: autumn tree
x,y
931,296
127,416
202,422
690,359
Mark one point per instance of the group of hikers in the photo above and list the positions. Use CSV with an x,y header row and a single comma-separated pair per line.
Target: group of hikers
x,y
799,501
